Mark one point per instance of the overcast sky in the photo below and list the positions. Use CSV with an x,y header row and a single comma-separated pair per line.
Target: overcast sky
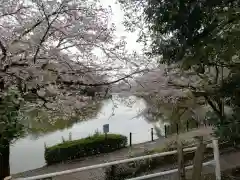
x,y
117,19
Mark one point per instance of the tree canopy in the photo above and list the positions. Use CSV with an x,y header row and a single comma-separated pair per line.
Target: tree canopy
x,y
52,47
199,37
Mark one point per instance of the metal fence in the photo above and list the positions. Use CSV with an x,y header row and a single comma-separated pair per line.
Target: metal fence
x,y
215,162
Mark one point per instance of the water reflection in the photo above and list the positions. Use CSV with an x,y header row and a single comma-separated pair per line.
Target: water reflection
x,y
40,124
123,114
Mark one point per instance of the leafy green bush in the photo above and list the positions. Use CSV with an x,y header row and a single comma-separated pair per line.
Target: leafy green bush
x,y
89,146
227,130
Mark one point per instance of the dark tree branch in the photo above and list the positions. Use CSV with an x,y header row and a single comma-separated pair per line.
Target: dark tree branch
x,y
47,30
14,64
217,74
216,110
32,28
69,83
14,12
184,110
4,51
40,21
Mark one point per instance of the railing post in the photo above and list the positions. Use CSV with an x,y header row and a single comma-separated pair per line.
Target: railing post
x,y
197,124
152,134
181,169
130,139
105,136
187,125
177,128
216,159
165,130
198,159
70,136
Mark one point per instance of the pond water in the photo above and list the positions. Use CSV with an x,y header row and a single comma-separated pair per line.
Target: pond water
x,y
28,153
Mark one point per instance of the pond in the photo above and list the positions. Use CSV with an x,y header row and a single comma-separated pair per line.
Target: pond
x,y
122,116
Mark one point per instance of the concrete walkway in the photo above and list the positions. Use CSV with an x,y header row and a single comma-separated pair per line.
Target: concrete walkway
x,y
98,174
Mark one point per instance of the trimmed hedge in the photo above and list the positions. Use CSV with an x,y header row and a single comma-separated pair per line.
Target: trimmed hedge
x,y
89,146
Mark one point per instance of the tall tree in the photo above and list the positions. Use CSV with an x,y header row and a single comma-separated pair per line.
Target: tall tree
x,y
167,102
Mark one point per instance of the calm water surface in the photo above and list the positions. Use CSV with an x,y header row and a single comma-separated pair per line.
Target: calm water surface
x,y
28,153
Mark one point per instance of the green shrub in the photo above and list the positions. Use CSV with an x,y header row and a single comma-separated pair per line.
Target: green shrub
x,y
89,146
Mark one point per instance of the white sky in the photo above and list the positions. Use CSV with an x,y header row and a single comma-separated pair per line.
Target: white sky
x,y
117,19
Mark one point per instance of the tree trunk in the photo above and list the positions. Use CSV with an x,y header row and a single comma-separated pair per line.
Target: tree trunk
x,y
4,160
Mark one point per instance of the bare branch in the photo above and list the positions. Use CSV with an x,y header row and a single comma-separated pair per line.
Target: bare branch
x,y
60,81
47,30
13,13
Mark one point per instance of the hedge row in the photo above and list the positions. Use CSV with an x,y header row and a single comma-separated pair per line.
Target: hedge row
x,y
89,146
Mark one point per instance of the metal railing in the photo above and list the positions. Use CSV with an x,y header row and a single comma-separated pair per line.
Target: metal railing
x,y
167,172
215,162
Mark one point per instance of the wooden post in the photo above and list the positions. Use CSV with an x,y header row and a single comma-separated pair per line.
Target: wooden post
x,y
130,139
165,130
187,125
105,136
216,159
113,172
197,124
152,134
70,136
177,127
198,159
181,168
63,140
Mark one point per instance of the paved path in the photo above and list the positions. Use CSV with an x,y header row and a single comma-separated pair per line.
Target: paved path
x,y
98,174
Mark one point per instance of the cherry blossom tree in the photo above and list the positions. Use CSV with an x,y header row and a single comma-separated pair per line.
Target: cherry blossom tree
x,y
171,94
55,53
